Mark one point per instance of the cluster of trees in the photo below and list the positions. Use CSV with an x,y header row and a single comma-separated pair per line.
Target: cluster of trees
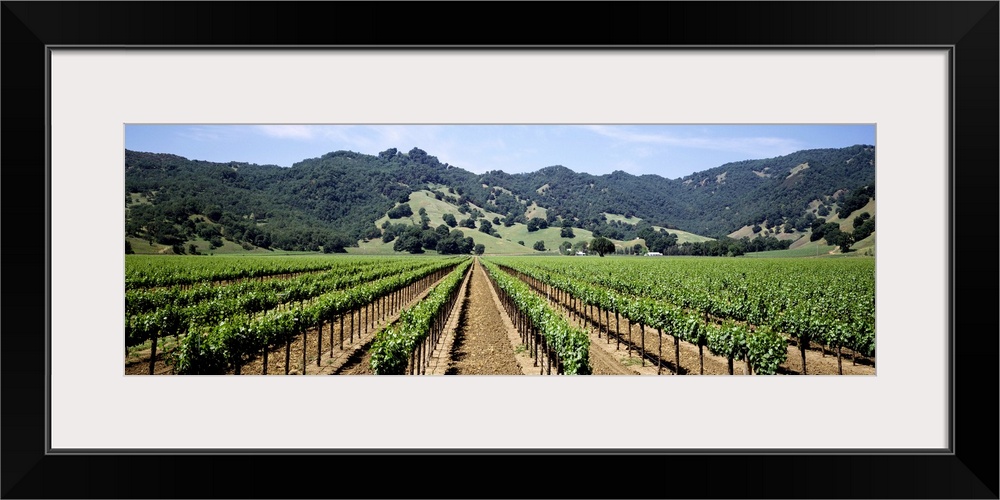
x,y
486,226
658,241
416,239
536,223
636,249
728,247
599,245
400,211
166,225
666,243
857,200
864,226
602,245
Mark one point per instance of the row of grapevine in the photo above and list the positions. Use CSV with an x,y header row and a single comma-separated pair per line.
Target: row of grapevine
x,y
743,290
236,340
831,302
761,348
145,300
174,319
147,271
405,346
566,347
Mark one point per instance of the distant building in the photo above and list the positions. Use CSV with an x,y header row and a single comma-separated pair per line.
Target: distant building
x,y
654,254
581,253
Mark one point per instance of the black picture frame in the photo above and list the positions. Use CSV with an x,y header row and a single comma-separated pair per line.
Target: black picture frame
x,y
970,470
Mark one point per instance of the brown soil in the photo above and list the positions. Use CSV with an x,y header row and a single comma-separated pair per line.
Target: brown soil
x,y
481,344
601,362
138,363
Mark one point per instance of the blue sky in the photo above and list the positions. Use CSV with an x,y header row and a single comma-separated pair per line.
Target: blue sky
x,y
670,151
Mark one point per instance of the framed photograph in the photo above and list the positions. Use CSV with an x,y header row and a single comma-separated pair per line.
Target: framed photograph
x,y
924,74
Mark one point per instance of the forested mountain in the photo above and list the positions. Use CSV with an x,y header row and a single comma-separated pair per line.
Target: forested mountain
x,y
334,200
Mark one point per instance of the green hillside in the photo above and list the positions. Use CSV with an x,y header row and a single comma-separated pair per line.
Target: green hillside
x,y
339,202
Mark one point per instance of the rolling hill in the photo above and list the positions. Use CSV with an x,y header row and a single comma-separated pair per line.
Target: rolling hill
x,y
341,200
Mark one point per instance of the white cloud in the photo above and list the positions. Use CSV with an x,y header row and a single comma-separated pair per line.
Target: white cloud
x,y
301,132
767,146
201,133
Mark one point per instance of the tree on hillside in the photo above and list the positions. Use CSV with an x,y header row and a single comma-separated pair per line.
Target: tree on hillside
x,y
566,248
823,230
450,219
536,223
409,241
429,239
128,247
838,238
859,220
456,243
539,245
479,249
857,199
567,232
334,245
864,230
401,211
602,245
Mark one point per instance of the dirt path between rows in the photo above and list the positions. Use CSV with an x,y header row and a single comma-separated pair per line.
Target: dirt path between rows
x,y
481,343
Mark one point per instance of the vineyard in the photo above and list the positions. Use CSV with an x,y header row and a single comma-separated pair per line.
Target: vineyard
x,y
740,310
498,315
